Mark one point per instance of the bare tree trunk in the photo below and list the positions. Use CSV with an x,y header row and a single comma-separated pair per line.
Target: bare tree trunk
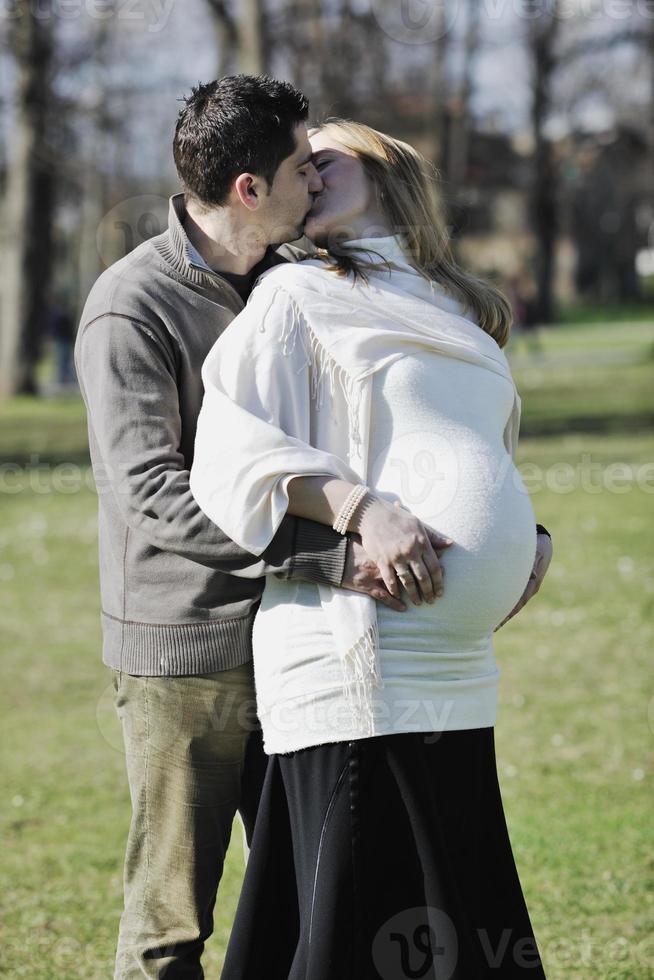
x,y
441,108
292,42
460,125
254,47
341,59
28,208
242,40
94,178
89,265
650,134
315,80
542,40
227,38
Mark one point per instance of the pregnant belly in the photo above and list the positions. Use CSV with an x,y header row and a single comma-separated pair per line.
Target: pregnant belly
x,y
476,497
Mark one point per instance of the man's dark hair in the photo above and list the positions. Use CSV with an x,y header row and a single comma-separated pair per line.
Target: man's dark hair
x,y
236,124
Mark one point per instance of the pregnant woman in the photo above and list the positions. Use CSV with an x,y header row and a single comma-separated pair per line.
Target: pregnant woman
x,y
367,388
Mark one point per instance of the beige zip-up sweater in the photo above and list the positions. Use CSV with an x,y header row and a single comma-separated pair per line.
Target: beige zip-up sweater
x,y
178,596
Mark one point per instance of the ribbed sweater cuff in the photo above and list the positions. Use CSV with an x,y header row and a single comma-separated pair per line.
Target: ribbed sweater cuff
x,y
320,554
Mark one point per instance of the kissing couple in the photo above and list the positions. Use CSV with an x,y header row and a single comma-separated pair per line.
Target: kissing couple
x,y
310,526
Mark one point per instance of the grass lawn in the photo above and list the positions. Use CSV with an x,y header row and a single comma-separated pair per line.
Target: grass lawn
x,y
576,714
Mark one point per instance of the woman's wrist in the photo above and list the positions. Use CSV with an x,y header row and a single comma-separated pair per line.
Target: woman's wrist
x,y
360,512
319,498
343,521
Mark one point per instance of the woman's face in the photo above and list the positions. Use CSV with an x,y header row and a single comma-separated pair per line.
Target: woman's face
x,y
346,207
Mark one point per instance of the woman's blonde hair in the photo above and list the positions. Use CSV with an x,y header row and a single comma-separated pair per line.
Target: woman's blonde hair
x,y
405,183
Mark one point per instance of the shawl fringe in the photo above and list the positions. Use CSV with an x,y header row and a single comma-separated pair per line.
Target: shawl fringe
x,y
361,674
361,669
323,368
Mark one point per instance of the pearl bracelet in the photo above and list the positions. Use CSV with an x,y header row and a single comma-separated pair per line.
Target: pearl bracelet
x,y
350,504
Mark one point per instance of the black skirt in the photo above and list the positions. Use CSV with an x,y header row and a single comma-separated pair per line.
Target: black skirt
x,y
387,857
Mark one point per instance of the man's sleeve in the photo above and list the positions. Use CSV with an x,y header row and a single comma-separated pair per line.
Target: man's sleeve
x,y
128,380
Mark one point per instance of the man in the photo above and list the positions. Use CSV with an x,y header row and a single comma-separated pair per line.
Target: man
x,y
178,597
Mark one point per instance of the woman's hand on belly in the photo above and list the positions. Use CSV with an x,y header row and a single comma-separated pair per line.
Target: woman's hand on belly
x,y
361,574
404,550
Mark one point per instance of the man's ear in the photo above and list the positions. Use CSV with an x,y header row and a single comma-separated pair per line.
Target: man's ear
x,y
249,189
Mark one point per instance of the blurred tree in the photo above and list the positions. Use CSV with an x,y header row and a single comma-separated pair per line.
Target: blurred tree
x,y
460,117
650,124
310,49
542,35
254,47
226,32
29,203
241,38
602,202
606,184
342,69
335,51
307,37
98,130
442,106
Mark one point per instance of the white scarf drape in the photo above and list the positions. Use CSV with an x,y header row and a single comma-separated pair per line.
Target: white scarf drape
x,y
306,348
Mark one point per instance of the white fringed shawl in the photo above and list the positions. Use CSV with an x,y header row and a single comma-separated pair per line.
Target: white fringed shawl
x,y
308,342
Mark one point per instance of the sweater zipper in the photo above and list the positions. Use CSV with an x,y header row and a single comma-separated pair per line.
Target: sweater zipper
x,y
219,281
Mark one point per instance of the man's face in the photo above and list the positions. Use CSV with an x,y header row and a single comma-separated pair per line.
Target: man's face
x,y
285,208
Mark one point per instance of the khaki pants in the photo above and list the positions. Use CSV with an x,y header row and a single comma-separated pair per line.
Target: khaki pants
x,y
194,758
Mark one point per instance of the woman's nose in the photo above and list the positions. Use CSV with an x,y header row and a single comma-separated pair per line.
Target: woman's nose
x,y
315,180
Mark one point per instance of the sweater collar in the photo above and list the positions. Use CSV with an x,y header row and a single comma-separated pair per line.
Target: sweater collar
x,y
176,248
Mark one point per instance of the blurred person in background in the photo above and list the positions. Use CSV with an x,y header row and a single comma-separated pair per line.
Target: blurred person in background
x,y
521,295
61,328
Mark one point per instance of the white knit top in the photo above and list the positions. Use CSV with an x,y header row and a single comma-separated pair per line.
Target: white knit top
x,y
436,444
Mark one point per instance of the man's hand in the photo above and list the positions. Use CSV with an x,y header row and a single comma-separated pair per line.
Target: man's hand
x,y
362,574
541,564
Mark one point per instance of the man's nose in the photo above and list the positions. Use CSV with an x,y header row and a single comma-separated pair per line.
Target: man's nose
x,y
315,180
